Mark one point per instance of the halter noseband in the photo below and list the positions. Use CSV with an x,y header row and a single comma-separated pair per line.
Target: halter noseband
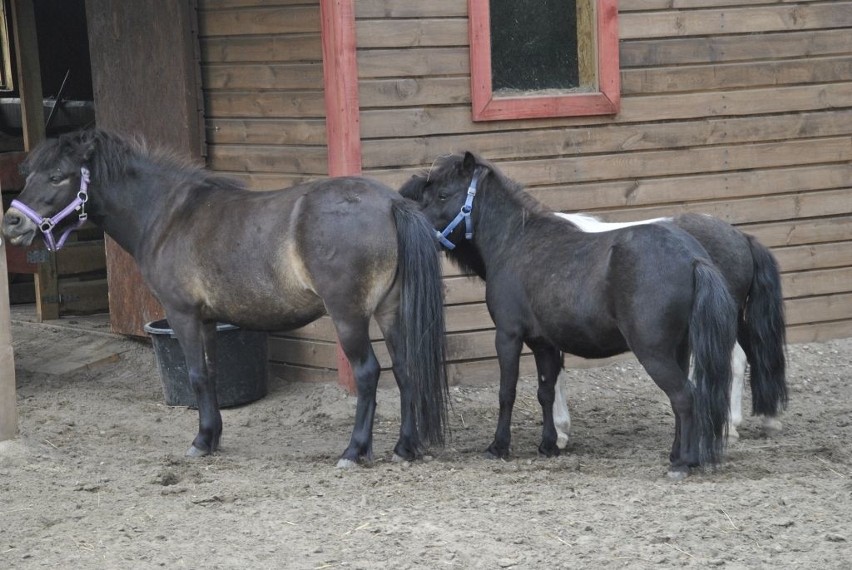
x,y
46,224
464,214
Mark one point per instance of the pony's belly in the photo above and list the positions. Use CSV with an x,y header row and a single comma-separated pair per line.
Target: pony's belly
x,y
592,344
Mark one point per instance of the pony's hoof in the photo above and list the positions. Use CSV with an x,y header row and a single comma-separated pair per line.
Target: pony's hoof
x,y
195,452
772,426
396,458
561,441
733,435
344,463
678,472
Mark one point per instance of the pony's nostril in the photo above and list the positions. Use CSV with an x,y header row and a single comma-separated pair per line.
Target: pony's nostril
x,y
12,219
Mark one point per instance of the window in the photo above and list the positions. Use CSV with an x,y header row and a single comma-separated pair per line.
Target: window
x,y
543,58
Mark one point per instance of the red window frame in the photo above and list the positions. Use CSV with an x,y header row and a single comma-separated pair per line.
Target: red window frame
x,y
606,100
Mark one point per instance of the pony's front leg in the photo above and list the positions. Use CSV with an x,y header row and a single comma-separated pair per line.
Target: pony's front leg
x,y
508,354
198,341
548,363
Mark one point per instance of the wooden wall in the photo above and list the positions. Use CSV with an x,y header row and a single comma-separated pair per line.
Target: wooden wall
x,y
263,90
737,108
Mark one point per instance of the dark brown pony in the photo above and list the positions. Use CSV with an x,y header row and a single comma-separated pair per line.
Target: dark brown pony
x,y
213,251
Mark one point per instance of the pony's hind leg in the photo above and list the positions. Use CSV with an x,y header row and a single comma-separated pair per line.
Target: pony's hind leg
x,y
198,341
354,337
671,376
409,446
548,362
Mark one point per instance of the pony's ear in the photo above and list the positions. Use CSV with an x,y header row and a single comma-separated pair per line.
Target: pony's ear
x,y
468,163
88,144
413,189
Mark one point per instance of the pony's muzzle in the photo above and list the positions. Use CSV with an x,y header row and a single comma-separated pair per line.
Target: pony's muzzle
x,y
18,228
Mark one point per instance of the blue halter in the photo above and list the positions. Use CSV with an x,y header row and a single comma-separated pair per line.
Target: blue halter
x,y
464,214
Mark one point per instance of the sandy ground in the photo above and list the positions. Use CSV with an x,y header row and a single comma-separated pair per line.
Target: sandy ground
x,y
97,478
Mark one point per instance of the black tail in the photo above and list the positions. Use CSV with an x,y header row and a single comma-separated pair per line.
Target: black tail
x,y
421,315
712,334
763,334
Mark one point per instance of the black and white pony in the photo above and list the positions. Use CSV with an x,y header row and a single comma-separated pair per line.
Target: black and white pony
x,y
755,283
651,289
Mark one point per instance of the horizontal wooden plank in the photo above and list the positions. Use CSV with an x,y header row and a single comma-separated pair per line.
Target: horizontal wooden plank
x,y
647,81
766,208
820,332
542,142
408,9
820,308
423,121
78,297
405,63
815,256
748,20
292,76
799,232
715,49
263,158
293,373
226,4
675,162
460,346
690,188
266,131
408,91
647,5
259,20
264,104
81,257
818,282
416,32
638,165
270,49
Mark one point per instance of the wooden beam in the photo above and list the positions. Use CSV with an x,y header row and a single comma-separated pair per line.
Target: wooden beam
x,y
8,402
343,121
32,116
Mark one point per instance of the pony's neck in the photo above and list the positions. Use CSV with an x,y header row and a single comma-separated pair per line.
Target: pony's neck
x,y
500,220
132,205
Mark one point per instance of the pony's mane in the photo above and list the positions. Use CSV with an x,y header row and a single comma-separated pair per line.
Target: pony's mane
x,y
111,156
450,166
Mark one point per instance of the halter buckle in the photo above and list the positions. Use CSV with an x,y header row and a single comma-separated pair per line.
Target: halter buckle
x,y
46,225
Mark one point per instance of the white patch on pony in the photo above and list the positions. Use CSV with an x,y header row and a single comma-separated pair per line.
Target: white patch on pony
x,y
738,368
561,416
592,225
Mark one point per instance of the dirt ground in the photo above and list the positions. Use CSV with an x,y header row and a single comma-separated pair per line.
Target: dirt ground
x,y
97,478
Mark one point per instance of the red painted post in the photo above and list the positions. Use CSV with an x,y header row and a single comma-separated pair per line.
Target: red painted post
x,y
343,120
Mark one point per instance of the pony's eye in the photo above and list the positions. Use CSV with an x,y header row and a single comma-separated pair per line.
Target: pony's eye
x,y
56,178
442,197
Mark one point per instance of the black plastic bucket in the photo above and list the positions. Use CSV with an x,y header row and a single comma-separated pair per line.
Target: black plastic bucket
x,y
241,365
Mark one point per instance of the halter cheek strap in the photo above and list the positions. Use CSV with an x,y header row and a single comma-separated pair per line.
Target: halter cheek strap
x,y
46,224
464,214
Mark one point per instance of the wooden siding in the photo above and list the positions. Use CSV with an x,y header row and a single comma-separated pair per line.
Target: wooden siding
x,y
263,90
738,108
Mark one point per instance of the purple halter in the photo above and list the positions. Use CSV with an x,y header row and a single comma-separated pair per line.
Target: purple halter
x,y
46,224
